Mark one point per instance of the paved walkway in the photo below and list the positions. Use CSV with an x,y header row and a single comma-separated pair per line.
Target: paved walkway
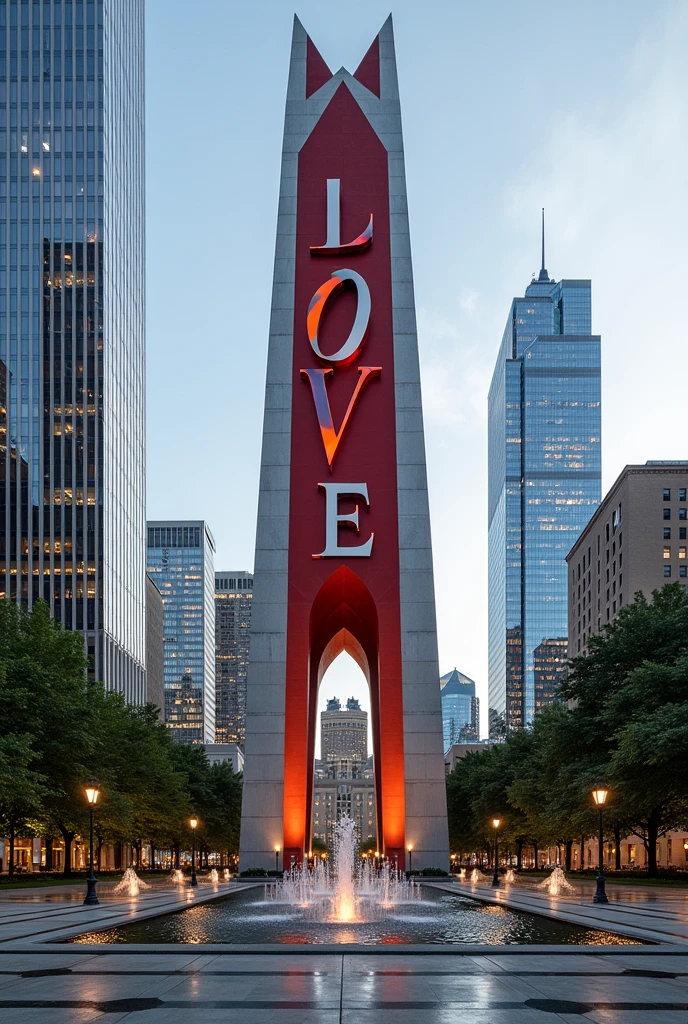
x,y
649,913
68,984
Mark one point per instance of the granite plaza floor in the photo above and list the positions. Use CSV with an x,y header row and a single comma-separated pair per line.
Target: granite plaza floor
x,y
61,984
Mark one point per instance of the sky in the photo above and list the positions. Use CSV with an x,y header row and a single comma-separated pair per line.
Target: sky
x,y
580,108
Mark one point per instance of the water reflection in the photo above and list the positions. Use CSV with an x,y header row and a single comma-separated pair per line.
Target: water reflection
x,y
439,918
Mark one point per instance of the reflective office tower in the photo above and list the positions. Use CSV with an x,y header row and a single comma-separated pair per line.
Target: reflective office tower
x,y
233,596
460,709
544,485
181,564
72,512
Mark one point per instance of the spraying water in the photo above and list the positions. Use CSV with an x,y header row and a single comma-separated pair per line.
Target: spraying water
x,y
352,891
213,877
177,877
478,878
131,884
556,883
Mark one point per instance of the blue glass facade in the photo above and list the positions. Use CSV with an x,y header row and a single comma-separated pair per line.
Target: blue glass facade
x,y
460,709
181,564
544,484
72,428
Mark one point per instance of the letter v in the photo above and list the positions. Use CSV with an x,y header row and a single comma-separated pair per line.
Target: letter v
x,y
318,382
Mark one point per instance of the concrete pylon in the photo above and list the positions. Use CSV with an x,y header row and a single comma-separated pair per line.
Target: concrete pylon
x,y
343,550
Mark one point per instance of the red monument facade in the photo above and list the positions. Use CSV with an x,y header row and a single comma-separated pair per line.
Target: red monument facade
x,y
343,556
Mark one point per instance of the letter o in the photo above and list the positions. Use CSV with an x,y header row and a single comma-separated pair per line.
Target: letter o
x,y
354,343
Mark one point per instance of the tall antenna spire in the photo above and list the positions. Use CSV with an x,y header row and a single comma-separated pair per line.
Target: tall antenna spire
x,y
544,276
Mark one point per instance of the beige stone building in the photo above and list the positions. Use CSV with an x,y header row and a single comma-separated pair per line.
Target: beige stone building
x,y
636,540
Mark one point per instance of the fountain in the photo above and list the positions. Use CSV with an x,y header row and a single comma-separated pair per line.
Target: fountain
x,y
131,884
213,877
462,874
347,893
177,876
478,878
510,877
556,883
226,875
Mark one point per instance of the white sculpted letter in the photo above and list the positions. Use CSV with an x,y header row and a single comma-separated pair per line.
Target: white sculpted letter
x,y
333,520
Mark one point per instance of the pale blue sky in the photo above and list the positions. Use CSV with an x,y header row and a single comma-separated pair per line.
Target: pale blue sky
x,y
507,107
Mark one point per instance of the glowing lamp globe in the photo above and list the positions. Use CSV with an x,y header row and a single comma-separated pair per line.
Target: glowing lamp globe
x,y
599,795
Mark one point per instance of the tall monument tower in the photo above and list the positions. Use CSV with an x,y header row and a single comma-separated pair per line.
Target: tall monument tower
x,y
343,553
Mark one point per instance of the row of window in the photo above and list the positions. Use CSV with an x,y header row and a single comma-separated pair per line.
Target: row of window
x,y
681,551
682,513
666,494
682,571
681,533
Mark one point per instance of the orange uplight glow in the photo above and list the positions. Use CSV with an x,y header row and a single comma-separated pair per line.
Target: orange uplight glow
x,y
318,381
315,310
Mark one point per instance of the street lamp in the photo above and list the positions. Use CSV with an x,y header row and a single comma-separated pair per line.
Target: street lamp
x,y
92,794
599,795
277,853
193,822
410,853
495,878
453,862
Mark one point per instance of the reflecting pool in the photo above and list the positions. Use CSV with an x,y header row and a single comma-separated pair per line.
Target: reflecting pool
x,y
435,917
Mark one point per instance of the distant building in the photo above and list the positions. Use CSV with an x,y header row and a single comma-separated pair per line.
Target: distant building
x,y
458,750
544,482
636,540
180,562
344,780
550,660
218,753
344,732
155,647
460,709
233,597
344,788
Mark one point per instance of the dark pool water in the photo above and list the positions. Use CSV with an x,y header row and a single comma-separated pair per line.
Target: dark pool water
x,y
438,918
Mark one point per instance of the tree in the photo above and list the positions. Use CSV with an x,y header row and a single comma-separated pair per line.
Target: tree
x,y
21,788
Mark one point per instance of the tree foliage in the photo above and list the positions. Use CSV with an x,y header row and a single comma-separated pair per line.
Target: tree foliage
x,y
625,722
57,729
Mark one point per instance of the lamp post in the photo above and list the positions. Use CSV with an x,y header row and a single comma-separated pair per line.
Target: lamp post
x,y
377,860
92,794
277,853
193,822
495,878
599,795
410,853
453,863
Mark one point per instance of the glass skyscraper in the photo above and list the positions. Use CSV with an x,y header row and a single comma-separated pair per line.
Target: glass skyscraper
x,y
544,484
233,597
181,564
72,426
460,709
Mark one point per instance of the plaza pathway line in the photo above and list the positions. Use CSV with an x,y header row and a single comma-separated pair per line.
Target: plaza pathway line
x,y
38,918
653,914
490,985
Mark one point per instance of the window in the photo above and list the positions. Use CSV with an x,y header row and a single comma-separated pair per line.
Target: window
x,y
682,552
681,494
683,571
682,533
667,571
666,513
666,494
683,513
667,552
667,533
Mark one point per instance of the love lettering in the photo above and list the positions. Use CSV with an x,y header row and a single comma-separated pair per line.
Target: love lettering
x,y
347,354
